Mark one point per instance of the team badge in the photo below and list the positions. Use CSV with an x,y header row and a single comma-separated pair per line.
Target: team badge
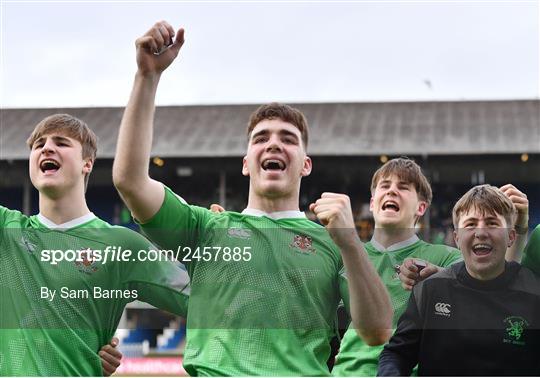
x,y
302,244
87,262
27,244
515,328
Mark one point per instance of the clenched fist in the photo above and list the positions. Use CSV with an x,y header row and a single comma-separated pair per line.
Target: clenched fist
x,y
158,48
335,213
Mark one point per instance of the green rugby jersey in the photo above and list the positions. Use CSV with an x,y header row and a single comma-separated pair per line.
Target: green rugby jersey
x,y
270,313
61,337
531,254
355,358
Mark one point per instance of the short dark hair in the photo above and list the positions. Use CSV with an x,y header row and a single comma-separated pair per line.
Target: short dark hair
x,y
282,112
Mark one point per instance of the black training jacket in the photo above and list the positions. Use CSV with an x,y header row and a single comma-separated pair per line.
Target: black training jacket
x,y
457,325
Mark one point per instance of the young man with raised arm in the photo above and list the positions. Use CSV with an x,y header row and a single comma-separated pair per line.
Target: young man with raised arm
x,y
60,301
265,282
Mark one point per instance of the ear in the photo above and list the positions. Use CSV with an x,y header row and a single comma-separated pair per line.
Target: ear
x,y
371,204
88,166
245,170
308,165
456,238
422,207
511,237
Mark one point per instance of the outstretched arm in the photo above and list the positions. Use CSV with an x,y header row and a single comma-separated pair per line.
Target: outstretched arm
x,y
370,306
156,50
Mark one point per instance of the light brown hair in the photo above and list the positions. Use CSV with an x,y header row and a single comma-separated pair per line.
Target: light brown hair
x,y
282,112
70,126
405,170
488,200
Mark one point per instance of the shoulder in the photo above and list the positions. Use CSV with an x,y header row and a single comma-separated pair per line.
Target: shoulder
x,y
176,211
440,254
439,248
118,236
527,281
304,223
449,273
8,216
439,281
535,235
127,236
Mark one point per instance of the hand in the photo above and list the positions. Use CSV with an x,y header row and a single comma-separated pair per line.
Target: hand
x,y
520,201
216,208
410,273
110,357
158,48
335,213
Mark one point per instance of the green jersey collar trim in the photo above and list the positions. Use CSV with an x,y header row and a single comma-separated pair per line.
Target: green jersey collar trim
x,y
67,225
394,247
275,215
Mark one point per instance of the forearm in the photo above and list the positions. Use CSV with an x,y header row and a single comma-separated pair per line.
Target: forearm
x,y
514,253
131,163
370,306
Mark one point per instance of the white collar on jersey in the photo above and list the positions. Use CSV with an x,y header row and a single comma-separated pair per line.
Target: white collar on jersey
x,y
394,247
69,224
275,215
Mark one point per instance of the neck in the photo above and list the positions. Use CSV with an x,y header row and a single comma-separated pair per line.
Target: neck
x,y
486,276
63,209
389,236
272,204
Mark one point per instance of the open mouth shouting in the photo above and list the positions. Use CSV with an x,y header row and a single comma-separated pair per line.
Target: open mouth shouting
x,y
273,165
49,166
482,249
390,206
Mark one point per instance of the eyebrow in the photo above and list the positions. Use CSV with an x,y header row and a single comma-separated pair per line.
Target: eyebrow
x,y
56,138
399,182
281,132
489,217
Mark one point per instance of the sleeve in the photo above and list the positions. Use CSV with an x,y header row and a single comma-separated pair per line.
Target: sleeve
x,y
400,355
162,283
7,216
176,224
3,215
531,254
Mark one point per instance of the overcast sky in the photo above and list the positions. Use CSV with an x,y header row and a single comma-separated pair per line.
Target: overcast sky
x,y
68,54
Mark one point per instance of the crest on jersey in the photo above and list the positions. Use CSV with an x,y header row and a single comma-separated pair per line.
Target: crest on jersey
x,y
87,262
515,328
27,244
303,244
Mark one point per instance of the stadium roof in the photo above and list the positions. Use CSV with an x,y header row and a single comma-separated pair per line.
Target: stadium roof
x,y
413,128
